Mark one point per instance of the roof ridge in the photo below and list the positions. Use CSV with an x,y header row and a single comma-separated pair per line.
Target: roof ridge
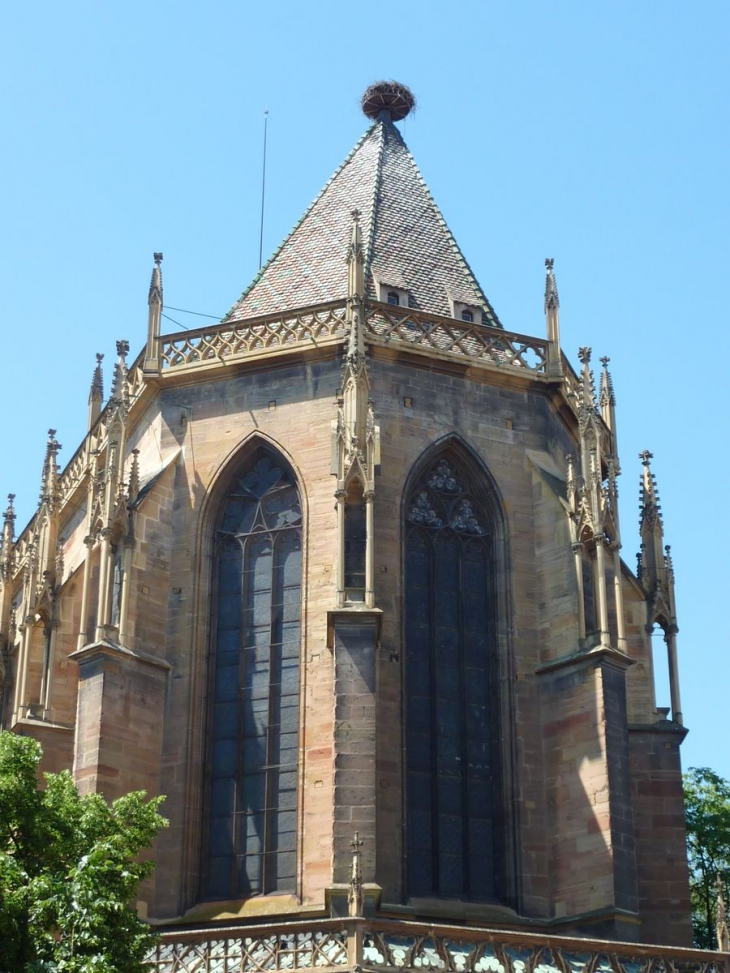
x,y
456,249
262,270
374,200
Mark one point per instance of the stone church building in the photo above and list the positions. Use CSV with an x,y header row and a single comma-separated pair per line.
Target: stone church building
x,y
341,576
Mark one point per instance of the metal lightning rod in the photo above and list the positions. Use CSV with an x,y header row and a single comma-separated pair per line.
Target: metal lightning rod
x,y
263,191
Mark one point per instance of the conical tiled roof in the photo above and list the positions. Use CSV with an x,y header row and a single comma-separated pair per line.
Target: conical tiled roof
x,y
407,242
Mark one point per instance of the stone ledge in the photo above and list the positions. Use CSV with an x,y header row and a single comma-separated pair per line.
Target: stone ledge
x,y
114,650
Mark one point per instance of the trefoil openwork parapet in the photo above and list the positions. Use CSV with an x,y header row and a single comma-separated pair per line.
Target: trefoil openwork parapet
x,y
331,944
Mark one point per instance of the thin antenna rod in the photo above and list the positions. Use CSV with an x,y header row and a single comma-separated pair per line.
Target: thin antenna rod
x,y
263,192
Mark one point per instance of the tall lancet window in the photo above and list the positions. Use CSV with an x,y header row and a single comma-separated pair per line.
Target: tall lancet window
x,y
450,704
254,716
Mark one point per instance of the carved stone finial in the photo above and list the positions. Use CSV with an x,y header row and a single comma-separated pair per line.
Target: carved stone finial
x,y
551,288
355,897
133,486
155,292
123,348
584,355
96,393
645,456
355,214
8,527
608,397
50,468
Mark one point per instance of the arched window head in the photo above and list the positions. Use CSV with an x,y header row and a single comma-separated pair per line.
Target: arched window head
x,y
254,714
393,297
451,706
467,315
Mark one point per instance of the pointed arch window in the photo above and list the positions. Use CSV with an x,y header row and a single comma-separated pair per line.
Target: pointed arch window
x,y
450,705
254,718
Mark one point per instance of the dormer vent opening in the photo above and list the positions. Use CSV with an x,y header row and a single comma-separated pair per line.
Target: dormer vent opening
x,y
466,312
389,293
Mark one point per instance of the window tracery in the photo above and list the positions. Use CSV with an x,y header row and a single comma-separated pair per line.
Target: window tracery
x,y
254,719
450,706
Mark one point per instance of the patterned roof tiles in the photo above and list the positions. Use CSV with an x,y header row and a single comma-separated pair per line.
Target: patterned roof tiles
x,y
407,242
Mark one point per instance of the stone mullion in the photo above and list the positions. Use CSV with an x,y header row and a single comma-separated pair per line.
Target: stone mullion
x,y
369,497
104,579
85,586
578,560
671,639
600,590
619,599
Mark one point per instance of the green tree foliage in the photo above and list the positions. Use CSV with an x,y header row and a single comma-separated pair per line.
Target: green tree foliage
x,y
69,868
707,815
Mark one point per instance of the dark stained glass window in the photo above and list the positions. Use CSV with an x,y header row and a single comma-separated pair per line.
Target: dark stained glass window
x,y
254,720
449,633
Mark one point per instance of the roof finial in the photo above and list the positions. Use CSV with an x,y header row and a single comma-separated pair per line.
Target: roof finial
x,y
50,468
120,373
355,898
388,100
151,365
650,507
155,293
96,392
7,536
551,288
552,320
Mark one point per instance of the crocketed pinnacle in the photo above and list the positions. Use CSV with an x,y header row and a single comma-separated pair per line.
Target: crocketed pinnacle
x,y
96,392
650,507
407,243
551,288
155,294
607,396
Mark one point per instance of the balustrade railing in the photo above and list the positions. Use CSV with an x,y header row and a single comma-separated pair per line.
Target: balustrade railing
x,y
392,946
450,336
229,340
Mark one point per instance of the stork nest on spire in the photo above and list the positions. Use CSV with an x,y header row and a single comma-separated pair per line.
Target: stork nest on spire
x,y
390,96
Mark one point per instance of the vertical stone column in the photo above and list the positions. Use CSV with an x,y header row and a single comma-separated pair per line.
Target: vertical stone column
x,y
588,786
600,590
340,502
671,639
105,559
577,549
86,569
124,605
619,601
354,637
369,550
119,720
661,851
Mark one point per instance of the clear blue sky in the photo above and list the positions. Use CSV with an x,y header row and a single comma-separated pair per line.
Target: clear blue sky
x,y
593,133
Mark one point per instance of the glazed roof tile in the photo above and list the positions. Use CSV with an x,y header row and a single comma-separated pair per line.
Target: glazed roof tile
x,y
407,242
